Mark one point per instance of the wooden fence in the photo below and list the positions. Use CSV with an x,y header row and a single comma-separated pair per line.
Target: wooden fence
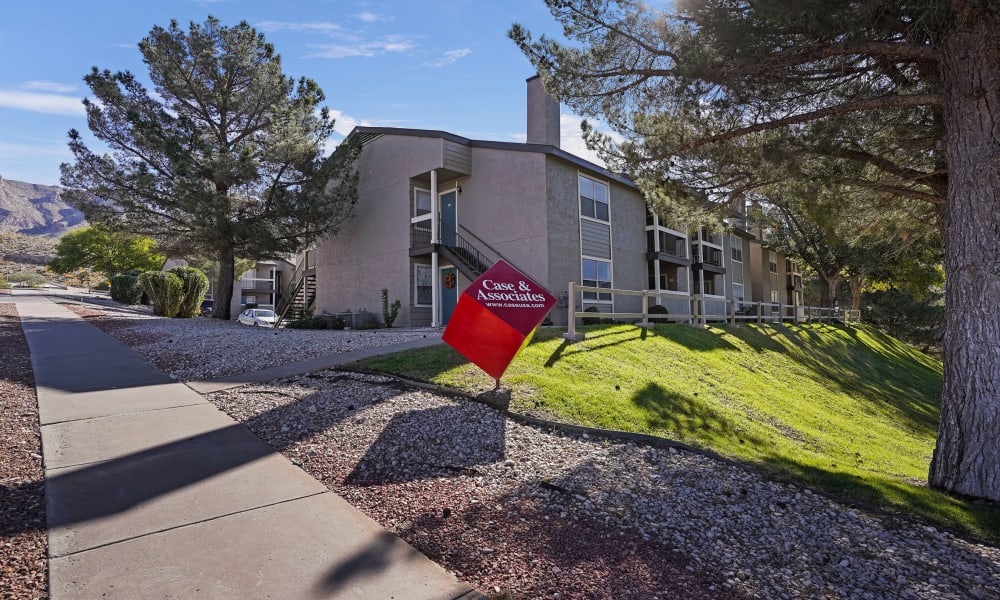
x,y
697,309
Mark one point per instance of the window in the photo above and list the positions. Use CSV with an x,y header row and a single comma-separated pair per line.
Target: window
x,y
594,199
421,202
738,292
596,273
737,248
775,297
772,262
422,281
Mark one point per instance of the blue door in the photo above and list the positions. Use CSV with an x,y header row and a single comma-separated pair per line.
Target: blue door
x,y
449,217
449,295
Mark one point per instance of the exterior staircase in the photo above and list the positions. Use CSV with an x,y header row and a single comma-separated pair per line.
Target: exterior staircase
x,y
466,255
298,298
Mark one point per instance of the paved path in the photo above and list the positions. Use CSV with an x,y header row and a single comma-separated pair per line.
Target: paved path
x,y
152,492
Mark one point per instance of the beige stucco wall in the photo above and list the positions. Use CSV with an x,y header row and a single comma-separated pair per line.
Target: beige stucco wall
x,y
371,250
503,204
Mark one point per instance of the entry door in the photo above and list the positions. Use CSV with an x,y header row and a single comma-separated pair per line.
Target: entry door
x,y
449,217
449,295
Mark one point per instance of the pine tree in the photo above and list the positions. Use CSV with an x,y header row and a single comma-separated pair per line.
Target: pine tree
x,y
901,96
226,158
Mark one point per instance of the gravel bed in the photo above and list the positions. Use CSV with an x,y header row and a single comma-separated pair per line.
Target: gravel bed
x,y
514,509
23,540
203,348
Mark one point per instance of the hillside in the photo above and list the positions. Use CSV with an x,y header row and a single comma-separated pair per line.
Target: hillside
x,y
32,209
849,411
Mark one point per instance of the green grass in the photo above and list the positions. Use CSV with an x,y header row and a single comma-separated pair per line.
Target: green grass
x,y
849,411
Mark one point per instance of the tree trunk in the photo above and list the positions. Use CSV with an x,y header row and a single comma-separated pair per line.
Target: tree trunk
x,y
857,284
967,457
827,289
224,284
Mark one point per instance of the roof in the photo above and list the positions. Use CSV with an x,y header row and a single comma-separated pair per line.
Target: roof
x,y
366,134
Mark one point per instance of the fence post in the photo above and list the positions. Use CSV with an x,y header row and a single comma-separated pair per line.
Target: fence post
x,y
571,333
645,310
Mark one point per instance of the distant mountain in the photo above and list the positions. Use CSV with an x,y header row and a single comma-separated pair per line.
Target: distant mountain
x,y
32,209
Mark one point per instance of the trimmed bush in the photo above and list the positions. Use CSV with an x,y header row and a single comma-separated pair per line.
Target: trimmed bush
x,y
3,283
165,290
195,285
658,309
125,288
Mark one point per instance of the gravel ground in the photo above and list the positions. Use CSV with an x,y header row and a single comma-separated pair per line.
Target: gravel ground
x,y
203,348
23,542
520,512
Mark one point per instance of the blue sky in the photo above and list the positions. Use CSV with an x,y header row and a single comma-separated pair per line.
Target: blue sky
x,y
424,64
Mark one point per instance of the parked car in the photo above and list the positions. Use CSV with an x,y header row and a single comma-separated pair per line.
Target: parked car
x,y
258,317
206,307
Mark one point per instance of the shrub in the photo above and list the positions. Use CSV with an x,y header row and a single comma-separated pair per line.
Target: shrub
x,y
195,284
658,309
125,288
27,279
166,291
389,311
3,283
591,320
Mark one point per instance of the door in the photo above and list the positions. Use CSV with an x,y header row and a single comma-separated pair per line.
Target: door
x,y
449,293
449,217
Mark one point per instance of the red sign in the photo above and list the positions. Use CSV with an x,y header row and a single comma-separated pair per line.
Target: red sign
x,y
496,316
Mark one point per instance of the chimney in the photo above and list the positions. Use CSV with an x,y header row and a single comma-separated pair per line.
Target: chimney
x,y
543,115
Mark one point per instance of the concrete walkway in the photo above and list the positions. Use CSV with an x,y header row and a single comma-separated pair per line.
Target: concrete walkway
x,y
152,492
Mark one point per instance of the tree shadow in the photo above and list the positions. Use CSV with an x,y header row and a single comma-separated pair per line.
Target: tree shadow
x,y
142,476
881,493
681,415
902,385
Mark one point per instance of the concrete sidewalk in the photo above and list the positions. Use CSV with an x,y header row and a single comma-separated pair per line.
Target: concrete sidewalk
x,y
152,492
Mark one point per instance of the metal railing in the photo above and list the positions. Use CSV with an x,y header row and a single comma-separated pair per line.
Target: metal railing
x,y
699,309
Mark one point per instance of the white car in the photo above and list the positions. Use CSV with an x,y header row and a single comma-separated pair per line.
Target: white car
x,y
258,317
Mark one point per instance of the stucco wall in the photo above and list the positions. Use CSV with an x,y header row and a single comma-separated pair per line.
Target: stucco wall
x,y
628,236
371,251
503,204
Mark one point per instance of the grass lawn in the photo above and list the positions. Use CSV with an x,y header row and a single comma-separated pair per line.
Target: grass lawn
x,y
849,411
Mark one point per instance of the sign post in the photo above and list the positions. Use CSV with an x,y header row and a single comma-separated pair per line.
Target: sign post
x,y
496,316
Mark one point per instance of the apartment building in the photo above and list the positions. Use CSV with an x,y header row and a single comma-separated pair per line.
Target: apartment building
x,y
435,210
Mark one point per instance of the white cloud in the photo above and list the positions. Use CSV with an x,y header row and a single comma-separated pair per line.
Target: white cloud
x,y
449,57
316,26
53,104
48,86
345,123
370,17
383,45
571,139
